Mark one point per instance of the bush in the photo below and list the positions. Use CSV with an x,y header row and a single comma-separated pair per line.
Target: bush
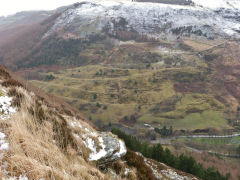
x,y
98,105
164,131
143,171
49,77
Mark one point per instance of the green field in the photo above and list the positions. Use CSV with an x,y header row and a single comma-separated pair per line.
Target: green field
x,y
137,84
221,141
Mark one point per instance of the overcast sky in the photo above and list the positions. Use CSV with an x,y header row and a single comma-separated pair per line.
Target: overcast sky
x,y
8,7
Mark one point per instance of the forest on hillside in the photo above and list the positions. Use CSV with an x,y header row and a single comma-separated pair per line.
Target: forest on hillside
x,y
183,163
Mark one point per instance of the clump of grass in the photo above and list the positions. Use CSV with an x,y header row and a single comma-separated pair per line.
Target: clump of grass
x,y
11,82
4,73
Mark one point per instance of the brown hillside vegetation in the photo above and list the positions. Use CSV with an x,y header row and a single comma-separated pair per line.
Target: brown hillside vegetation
x,y
40,141
224,165
17,42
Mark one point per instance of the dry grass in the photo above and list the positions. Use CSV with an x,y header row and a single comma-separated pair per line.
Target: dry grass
x,y
43,143
32,133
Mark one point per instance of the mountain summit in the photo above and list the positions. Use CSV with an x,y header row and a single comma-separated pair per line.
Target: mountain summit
x,y
210,20
165,73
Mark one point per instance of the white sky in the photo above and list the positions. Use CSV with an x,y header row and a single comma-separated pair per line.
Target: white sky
x,y
8,7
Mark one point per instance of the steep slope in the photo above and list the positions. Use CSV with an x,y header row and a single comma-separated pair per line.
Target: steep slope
x,y
13,26
158,20
43,143
38,141
22,18
151,69
120,19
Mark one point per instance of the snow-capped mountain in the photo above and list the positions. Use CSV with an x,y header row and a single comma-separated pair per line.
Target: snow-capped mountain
x,y
210,19
216,4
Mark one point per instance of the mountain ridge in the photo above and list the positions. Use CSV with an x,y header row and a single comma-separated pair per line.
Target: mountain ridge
x,y
150,69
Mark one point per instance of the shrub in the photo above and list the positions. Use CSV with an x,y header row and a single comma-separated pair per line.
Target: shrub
x,y
4,73
98,105
49,77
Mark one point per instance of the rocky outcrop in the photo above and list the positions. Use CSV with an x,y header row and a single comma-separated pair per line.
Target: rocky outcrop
x,y
104,148
114,148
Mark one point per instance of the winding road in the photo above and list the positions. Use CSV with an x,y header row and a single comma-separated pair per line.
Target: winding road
x,y
194,136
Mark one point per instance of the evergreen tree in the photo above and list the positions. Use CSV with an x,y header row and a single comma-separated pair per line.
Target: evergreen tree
x,y
184,163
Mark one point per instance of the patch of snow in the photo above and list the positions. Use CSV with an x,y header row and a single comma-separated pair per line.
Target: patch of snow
x,y
127,171
4,145
23,177
84,136
2,135
90,144
169,173
94,156
87,130
6,108
215,4
75,124
154,168
93,134
76,135
122,149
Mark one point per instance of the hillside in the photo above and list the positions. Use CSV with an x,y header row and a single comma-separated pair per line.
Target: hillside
x,y
39,141
164,71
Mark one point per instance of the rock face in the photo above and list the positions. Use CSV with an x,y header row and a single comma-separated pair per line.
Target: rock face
x,y
104,148
154,19
114,148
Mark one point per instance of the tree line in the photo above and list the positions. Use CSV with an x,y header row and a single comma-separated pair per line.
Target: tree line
x,y
183,163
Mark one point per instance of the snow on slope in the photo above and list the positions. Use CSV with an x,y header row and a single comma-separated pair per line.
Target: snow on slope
x,y
6,108
215,4
102,146
206,18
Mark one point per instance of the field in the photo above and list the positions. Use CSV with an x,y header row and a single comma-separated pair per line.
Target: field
x,y
144,83
190,86
213,141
